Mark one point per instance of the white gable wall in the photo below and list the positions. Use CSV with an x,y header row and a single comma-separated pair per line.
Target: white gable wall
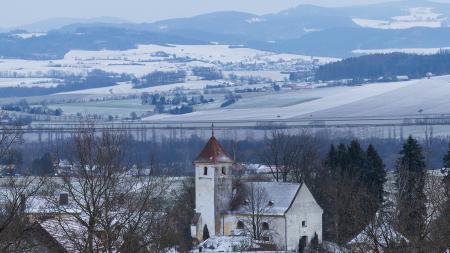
x,y
304,208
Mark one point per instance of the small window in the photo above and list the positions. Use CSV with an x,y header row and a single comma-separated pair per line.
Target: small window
x,y
266,238
224,171
205,171
63,199
271,203
265,226
240,225
304,224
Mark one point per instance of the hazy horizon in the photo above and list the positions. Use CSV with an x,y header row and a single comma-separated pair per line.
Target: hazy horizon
x,y
144,11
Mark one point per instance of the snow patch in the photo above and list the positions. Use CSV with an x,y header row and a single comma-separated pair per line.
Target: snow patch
x,y
255,20
418,17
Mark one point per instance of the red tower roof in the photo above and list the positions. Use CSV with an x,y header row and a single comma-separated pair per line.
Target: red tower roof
x,y
213,152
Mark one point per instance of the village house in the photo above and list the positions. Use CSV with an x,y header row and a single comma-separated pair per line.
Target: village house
x,y
289,215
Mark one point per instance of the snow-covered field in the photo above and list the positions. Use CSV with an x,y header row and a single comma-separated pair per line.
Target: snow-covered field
x,y
27,82
274,75
121,108
320,100
127,88
418,17
148,58
204,53
427,96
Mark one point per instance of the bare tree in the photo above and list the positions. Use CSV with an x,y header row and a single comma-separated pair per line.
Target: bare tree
x,y
437,222
14,194
279,154
306,158
116,211
256,207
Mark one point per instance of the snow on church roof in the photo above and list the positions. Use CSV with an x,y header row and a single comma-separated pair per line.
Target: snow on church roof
x,y
280,196
213,152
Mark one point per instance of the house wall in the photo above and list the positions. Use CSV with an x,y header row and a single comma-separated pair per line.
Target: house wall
x,y
303,208
223,194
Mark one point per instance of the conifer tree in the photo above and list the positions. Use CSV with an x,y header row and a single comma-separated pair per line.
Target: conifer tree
x,y
411,174
376,176
205,233
353,189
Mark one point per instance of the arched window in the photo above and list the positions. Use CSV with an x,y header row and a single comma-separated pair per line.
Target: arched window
x,y
224,171
265,226
205,171
240,225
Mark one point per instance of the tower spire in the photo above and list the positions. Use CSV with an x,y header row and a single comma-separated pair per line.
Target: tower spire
x,y
212,129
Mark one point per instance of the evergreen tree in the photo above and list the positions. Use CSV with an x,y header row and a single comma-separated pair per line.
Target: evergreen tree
x,y
353,183
411,174
43,166
205,233
376,176
315,242
356,159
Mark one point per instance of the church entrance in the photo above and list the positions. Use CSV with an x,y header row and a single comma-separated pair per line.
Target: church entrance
x,y
302,244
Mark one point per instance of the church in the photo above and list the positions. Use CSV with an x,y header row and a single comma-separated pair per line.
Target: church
x,y
284,214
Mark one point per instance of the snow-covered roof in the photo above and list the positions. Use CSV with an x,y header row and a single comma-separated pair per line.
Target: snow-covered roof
x,y
45,205
68,232
382,233
280,196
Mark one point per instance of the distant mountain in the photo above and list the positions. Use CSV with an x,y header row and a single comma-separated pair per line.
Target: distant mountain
x,y
57,23
305,29
304,19
56,44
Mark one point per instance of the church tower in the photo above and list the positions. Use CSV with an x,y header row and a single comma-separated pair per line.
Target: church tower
x,y
213,188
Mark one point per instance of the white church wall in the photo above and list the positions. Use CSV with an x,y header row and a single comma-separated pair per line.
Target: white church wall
x,y
303,209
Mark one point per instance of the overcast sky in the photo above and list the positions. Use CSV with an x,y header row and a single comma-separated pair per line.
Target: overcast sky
x,y
19,12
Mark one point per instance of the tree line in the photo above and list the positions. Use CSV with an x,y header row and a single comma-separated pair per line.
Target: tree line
x,y
385,67
94,79
408,214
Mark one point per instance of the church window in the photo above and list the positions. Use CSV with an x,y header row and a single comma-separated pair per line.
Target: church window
x,y
205,171
265,226
63,199
240,225
304,224
224,172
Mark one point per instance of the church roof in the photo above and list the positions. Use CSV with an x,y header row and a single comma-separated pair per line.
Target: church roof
x,y
213,152
279,196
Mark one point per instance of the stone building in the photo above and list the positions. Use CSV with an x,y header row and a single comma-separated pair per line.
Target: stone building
x,y
290,219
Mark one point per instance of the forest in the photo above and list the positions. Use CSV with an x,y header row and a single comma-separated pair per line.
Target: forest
x,y
385,67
